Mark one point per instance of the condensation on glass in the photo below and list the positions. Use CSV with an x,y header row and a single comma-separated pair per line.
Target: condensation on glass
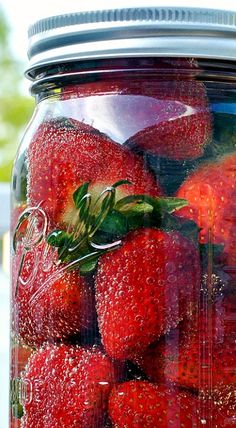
x,y
124,227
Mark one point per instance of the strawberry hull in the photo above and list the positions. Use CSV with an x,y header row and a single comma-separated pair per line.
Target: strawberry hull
x,y
64,154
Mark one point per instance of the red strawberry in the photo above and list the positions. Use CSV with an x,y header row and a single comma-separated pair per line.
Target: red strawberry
x,y
158,355
49,301
64,154
144,288
211,192
19,358
142,404
170,118
15,214
163,114
218,408
223,406
179,125
66,386
105,84
15,423
200,354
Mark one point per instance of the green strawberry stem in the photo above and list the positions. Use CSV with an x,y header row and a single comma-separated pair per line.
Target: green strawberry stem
x,y
92,257
101,224
133,204
106,205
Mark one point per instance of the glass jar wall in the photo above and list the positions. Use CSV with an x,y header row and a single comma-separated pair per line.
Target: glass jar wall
x,y
123,247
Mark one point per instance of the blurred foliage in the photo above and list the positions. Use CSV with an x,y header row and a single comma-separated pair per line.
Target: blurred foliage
x,y
15,107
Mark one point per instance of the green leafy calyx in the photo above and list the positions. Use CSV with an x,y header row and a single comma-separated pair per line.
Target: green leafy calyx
x,y
99,226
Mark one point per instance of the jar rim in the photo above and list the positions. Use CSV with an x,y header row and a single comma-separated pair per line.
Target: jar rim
x,y
132,32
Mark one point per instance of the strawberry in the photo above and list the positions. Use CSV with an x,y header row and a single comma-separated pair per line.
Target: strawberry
x,y
144,288
218,408
15,214
179,125
49,301
65,153
15,423
166,116
104,84
66,386
19,358
223,406
166,112
141,404
200,354
154,359
211,191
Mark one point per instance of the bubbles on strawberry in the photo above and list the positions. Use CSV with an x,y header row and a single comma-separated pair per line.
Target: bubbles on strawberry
x,y
151,282
64,154
146,405
50,303
67,386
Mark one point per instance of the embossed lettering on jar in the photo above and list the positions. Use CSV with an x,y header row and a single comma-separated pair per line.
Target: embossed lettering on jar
x,y
123,223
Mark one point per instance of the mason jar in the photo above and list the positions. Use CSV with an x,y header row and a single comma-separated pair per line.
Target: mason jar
x,y
124,223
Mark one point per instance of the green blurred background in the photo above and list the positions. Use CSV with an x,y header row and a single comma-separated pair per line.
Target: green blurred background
x,y
15,107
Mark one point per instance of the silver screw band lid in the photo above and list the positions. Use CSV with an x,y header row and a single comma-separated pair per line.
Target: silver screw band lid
x,y
133,32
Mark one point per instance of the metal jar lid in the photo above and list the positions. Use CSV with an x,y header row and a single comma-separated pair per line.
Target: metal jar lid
x,y
132,32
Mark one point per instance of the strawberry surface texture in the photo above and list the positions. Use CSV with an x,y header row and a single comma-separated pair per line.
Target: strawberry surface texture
x,y
145,288
124,252
67,386
200,353
63,154
210,191
168,116
49,301
140,404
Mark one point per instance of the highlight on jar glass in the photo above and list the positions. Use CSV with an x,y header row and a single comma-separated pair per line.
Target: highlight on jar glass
x,y
124,223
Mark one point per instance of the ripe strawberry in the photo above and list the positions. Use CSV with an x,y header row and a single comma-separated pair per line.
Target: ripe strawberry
x,y
64,153
49,302
66,386
169,117
15,423
211,191
141,404
223,407
218,408
144,288
19,358
15,214
179,123
200,354
106,84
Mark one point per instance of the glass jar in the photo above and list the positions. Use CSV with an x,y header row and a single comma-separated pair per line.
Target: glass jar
x,y
124,223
